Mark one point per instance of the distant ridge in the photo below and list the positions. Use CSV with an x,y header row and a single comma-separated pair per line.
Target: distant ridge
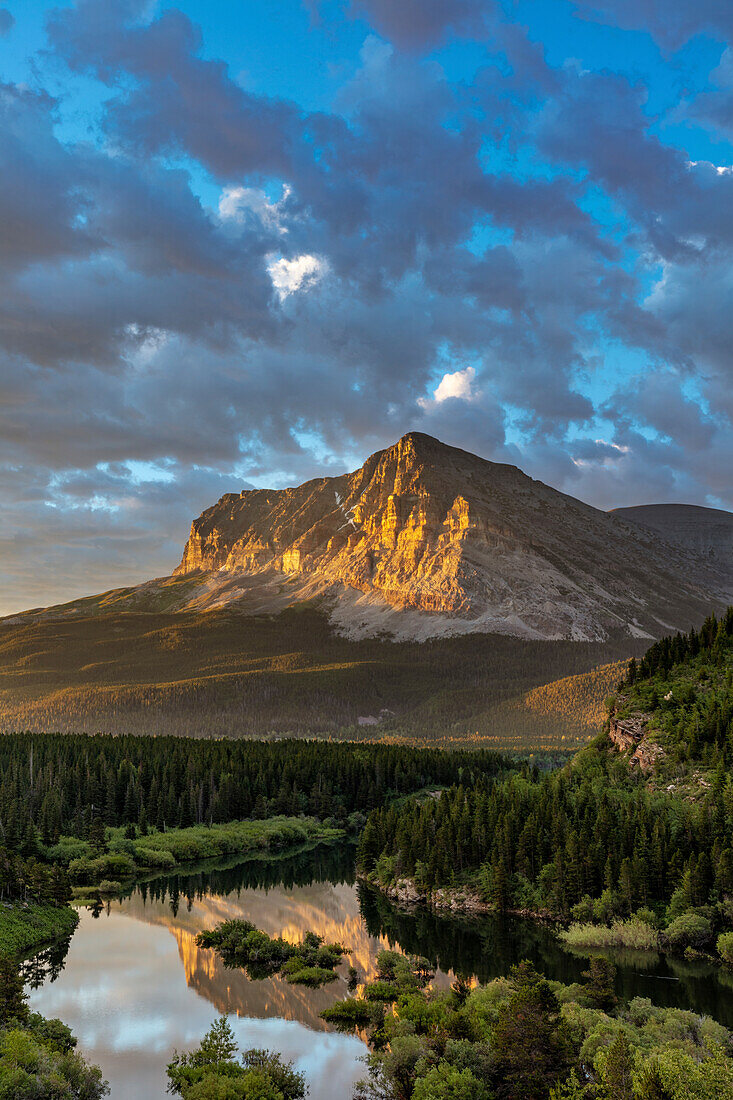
x,y
707,532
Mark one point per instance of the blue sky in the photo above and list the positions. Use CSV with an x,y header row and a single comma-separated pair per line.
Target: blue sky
x,y
247,243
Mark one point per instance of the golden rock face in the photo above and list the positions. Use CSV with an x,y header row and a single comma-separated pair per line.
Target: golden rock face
x,y
428,530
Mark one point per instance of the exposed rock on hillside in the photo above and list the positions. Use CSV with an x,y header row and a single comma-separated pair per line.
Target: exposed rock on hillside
x,y
427,539
629,733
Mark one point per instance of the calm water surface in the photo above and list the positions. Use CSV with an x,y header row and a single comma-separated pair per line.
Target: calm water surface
x,y
134,986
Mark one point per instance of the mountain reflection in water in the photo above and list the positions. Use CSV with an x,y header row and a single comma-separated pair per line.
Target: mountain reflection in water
x,y
134,984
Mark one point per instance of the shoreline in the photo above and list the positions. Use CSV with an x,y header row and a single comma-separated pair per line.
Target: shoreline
x,y
406,895
85,895
27,929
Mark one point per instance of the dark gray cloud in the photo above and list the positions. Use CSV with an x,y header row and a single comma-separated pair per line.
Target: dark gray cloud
x,y
7,21
673,22
713,109
40,207
180,101
419,24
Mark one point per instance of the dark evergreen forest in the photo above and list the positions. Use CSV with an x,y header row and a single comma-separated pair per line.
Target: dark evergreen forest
x,y
63,784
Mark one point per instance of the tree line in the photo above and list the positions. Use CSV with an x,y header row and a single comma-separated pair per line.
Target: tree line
x,y
32,882
546,844
711,640
74,785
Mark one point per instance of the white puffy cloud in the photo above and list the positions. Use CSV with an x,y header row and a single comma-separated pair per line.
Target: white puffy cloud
x,y
459,384
300,273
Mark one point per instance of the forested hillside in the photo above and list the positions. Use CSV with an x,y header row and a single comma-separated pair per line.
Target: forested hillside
x,y
680,696
600,839
224,674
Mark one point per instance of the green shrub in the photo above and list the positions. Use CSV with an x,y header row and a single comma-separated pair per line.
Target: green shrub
x,y
123,846
25,928
688,930
110,886
68,848
382,991
647,916
161,859
112,866
584,912
725,947
632,933
385,869
234,838
313,976
350,1014
29,1068
446,1082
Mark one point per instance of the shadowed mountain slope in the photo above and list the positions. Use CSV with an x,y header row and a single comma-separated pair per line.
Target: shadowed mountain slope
x,y
707,532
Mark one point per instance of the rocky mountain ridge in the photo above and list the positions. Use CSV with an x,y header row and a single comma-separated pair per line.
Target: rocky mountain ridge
x,y
707,532
426,539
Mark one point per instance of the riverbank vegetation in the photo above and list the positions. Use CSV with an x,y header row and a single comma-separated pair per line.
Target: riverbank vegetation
x,y
241,944
214,1072
519,1037
120,854
524,1038
97,812
26,927
598,842
34,907
37,1055
106,809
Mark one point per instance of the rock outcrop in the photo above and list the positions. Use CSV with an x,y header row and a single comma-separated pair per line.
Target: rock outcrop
x,y
629,734
427,539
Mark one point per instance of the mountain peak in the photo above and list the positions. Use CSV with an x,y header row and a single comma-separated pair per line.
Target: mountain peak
x,y
426,448
419,443
425,538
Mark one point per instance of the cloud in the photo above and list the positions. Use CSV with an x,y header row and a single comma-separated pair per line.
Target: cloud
x,y
240,204
7,21
230,287
458,384
673,23
417,24
713,109
179,101
298,273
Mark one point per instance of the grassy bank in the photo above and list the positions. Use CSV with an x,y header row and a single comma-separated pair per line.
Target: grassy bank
x,y
25,928
129,857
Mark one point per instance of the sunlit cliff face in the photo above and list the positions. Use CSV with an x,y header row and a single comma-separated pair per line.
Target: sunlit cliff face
x,y
331,911
425,538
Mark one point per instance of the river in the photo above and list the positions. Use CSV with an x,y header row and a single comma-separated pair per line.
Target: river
x,y
133,985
